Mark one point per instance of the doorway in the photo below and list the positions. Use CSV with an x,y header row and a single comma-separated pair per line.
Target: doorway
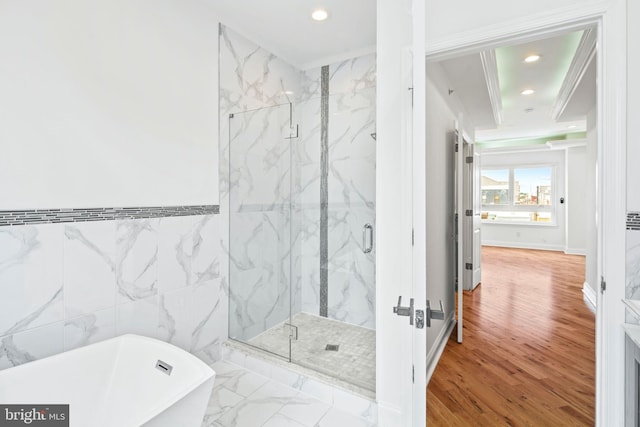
x,y
527,165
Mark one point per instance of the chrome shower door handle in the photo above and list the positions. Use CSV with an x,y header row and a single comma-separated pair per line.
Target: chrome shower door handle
x,y
367,248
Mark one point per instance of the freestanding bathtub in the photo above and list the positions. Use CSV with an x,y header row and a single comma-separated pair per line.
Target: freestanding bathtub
x,y
129,380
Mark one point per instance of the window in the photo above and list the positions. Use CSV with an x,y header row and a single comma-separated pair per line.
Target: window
x,y
518,195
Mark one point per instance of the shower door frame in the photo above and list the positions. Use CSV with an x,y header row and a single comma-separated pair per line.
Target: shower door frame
x,y
289,138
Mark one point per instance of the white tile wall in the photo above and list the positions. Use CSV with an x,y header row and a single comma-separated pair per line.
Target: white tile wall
x,y
31,277
632,290
89,267
63,286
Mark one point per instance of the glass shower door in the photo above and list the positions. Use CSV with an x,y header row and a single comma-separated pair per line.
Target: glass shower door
x,y
333,302
260,227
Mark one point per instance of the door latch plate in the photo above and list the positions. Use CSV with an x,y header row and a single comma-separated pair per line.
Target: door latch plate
x,y
419,319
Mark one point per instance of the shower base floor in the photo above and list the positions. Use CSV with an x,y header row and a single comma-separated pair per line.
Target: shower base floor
x,y
353,362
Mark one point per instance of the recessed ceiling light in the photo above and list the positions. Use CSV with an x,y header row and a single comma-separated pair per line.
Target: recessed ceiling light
x,y
532,58
527,91
319,15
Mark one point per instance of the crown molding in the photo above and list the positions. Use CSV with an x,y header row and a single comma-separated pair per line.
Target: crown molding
x,y
520,30
490,68
584,55
566,143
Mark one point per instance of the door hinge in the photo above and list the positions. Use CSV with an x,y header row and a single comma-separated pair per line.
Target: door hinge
x,y
456,147
413,237
293,132
468,212
411,89
291,331
468,159
468,266
603,284
413,373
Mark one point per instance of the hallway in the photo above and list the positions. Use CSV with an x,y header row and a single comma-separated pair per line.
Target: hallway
x,y
528,355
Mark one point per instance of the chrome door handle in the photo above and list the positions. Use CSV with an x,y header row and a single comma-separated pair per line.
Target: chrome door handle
x,y
434,314
404,311
367,248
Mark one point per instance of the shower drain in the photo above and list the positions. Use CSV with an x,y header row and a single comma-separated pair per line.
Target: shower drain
x,y
332,347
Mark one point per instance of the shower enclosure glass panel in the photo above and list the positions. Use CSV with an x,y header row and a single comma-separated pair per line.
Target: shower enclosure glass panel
x,y
302,233
260,222
346,141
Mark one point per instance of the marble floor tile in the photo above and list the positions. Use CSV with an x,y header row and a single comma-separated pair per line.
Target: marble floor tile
x,y
305,410
224,371
270,405
237,378
273,389
252,411
279,420
244,382
222,400
338,418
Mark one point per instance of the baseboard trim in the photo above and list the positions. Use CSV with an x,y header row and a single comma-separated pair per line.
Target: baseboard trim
x,y
441,342
524,245
589,296
575,251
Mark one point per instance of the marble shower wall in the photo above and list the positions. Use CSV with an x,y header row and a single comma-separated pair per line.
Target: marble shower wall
x,y
633,265
351,190
255,183
274,250
633,261
64,286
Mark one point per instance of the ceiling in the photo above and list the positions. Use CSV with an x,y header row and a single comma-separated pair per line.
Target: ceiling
x,y
285,28
563,79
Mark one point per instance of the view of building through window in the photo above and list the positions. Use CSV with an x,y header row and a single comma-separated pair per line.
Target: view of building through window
x,y
517,194
533,186
495,187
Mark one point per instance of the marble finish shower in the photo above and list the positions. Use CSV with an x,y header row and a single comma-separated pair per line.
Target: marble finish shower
x,y
300,202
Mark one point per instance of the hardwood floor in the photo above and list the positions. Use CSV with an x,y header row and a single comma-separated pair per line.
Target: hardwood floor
x,y
528,351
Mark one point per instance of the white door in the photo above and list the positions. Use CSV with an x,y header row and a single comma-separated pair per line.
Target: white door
x,y
460,212
477,221
471,219
418,152
400,214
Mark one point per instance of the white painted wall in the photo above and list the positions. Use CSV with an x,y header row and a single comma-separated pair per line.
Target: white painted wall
x,y
551,237
576,200
440,169
110,103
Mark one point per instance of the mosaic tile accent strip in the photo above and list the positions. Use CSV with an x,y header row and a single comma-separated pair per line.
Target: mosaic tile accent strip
x,y
50,216
633,221
324,191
